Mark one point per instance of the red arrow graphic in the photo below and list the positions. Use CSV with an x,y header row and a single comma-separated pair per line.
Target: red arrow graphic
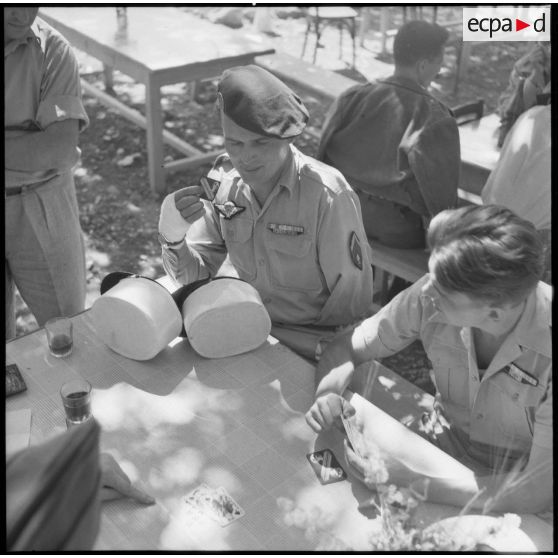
x,y
519,25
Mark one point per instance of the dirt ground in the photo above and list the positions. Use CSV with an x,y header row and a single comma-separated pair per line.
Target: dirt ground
x,y
119,213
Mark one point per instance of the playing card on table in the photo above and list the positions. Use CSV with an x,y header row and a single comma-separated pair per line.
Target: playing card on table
x,y
224,507
326,466
199,501
216,504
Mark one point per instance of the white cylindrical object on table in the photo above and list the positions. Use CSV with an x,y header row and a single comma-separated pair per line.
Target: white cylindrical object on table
x,y
226,317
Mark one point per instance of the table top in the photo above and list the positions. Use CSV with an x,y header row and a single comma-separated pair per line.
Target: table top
x,y
156,38
180,420
479,142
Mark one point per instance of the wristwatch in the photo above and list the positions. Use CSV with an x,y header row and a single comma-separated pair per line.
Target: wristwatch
x,y
168,244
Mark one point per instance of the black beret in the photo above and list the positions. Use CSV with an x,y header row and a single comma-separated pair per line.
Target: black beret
x,y
256,100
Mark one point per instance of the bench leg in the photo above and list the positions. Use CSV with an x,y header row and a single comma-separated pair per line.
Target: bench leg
x,y
154,137
463,54
384,286
109,78
384,23
381,285
318,34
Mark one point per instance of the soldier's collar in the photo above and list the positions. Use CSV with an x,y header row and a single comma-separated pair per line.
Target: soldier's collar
x,y
289,174
407,83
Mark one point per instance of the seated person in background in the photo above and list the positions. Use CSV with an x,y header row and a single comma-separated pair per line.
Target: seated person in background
x,y
397,145
529,85
484,319
284,222
521,179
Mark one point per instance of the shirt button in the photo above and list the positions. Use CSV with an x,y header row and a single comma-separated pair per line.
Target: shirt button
x,y
515,396
480,416
261,261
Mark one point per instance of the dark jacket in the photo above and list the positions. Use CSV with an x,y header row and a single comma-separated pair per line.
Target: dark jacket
x,y
392,139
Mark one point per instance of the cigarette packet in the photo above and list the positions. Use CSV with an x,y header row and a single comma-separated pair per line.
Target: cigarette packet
x,y
207,188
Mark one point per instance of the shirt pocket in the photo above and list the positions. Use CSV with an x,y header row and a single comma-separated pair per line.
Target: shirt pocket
x,y
292,265
237,233
518,403
450,365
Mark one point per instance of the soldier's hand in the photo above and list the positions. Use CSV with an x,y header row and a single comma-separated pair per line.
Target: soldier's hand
x,y
116,484
188,203
326,410
178,211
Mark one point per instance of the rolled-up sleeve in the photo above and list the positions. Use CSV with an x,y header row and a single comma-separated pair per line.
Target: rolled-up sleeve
x,y
60,97
396,325
205,251
344,259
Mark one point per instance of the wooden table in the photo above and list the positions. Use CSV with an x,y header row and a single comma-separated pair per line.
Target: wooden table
x,y
479,153
179,420
156,47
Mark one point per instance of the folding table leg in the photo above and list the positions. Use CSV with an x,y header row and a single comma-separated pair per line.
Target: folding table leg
x,y
154,137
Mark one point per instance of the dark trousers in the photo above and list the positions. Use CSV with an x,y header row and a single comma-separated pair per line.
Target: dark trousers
x,y
390,223
394,225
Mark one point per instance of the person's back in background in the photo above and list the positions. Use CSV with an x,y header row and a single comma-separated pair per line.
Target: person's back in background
x,y
521,179
397,145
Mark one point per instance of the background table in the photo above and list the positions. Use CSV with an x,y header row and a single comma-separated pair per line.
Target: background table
x,y
179,420
156,47
479,153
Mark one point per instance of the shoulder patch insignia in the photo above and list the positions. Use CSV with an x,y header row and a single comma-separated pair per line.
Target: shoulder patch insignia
x,y
229,209
355,250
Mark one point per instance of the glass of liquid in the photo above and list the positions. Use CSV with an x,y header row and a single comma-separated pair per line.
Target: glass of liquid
x,y
59,337
76,398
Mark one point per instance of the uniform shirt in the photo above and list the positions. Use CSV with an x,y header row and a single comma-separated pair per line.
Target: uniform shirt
x,y
305,250
393,140
521,179
41,86
498,409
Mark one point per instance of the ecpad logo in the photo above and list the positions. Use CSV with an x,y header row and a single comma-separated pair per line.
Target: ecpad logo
x,y
506,23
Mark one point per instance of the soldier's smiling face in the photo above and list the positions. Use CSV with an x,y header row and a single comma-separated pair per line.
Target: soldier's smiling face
x,y
258,159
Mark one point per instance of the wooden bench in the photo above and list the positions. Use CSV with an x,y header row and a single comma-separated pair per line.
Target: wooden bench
x,y
312,79
409,264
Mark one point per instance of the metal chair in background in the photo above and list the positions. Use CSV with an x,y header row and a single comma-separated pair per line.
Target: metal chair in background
x,y
415,12
317,18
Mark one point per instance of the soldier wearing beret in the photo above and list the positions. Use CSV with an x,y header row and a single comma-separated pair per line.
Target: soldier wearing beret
x,y
280,220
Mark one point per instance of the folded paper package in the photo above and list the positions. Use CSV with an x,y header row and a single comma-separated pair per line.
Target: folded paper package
x,y
137,317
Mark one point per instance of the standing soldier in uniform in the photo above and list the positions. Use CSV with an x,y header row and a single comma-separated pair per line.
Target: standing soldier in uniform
x,y
282,221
